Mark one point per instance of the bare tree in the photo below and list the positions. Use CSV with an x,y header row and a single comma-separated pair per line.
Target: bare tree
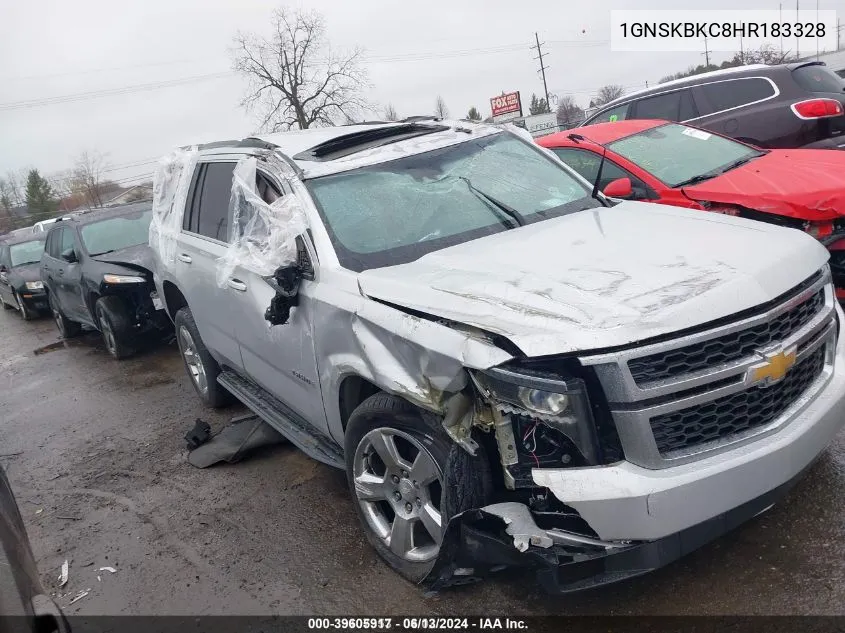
x,y
13,181
390,113
606,94
440,109
87,177
569,113
295,80
6,196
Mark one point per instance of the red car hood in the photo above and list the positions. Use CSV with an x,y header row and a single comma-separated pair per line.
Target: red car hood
x,y
808,184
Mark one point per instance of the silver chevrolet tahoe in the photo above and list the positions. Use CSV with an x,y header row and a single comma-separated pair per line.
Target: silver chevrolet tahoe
x,y
511,370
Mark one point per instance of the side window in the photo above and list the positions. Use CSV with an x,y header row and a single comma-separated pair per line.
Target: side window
x,y
213,208
586,163
672,106
191,215
619,113
68,240
54,243
4,256
724,95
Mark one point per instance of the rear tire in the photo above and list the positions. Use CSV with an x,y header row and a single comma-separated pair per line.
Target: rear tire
x,y
67,328
200,366
115,326
422,481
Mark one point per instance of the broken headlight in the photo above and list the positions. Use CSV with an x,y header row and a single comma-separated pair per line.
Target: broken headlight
x,y
559,404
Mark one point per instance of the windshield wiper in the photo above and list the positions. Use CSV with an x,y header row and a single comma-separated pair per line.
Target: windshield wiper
x,y
112,250
737,163
509,211
697,179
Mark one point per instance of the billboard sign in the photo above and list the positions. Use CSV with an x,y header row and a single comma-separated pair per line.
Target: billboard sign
x,y
541,124
506,106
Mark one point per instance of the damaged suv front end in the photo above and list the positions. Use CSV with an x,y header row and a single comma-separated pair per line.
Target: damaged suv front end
x,y
632,458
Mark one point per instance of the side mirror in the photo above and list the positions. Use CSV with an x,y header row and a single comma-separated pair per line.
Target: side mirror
x,y
69,256
285,281
619,188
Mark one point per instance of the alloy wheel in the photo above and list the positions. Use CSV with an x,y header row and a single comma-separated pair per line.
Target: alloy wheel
x,y
399,487
192,359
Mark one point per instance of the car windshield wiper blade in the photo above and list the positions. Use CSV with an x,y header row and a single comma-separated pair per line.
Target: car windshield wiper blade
x,y
112,250
509,211
737,163
696,179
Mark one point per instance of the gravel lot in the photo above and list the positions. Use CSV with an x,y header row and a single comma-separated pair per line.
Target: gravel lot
x,y
94,451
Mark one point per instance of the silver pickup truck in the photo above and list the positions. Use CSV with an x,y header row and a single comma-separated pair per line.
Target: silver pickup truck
x,y
512,370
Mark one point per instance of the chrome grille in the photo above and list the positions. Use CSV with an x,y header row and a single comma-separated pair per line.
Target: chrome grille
x,y
679,400
724,349
738,413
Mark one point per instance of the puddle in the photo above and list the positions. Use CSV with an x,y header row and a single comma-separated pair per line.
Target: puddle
x,y
52,347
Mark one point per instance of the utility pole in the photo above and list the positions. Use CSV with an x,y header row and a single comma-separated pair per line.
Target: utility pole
x,y
741,53
542,69
706,54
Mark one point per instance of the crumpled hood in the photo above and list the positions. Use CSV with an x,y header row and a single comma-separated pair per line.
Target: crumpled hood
x,y
138,257
808,184
604,277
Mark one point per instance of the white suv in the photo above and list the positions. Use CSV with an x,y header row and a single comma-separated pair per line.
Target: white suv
x,y
510,370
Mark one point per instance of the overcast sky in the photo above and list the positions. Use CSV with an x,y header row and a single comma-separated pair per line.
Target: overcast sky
x,y
465,50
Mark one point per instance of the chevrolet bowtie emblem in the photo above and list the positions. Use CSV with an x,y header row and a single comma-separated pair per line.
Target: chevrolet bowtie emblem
x,y
773,368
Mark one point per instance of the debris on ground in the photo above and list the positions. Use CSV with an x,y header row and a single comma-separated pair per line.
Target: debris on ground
x,y
79,596
198,435
64,575
111,570
243,434
39,511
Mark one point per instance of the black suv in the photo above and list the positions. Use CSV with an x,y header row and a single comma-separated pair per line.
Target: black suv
x,y
20,281
97,271
785,106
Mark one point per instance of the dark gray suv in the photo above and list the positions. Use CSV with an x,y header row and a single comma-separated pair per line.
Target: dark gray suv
x,y
785,106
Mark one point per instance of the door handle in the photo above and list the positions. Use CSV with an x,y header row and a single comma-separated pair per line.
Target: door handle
x,y
184,257
237,284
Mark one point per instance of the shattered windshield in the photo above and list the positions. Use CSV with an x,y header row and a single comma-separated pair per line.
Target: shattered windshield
x,y
396,212
116,233
26,252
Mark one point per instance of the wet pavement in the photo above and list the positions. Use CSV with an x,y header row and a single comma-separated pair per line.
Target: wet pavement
x,y
94,449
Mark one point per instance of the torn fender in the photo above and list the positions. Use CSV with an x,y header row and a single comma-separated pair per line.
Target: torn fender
x,y
420,360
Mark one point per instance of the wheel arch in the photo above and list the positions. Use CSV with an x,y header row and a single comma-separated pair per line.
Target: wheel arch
x,y
174,300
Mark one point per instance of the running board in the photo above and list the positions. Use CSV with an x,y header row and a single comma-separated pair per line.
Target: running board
x,y
278,415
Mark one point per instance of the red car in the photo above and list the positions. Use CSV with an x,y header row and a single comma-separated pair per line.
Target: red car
x,y
671,163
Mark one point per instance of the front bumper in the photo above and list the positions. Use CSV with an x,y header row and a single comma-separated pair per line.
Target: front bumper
x,y
482,542
35,299
643,518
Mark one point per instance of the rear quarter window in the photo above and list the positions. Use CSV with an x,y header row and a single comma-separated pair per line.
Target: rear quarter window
x,y
672,106
733,93
818,79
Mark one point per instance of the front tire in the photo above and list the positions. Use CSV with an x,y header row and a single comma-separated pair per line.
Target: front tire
x,y
67,328
200,366
27,313
115,326
407,479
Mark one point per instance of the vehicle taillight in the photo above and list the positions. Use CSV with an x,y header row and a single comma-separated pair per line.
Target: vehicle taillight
x,y
817,108
819,229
